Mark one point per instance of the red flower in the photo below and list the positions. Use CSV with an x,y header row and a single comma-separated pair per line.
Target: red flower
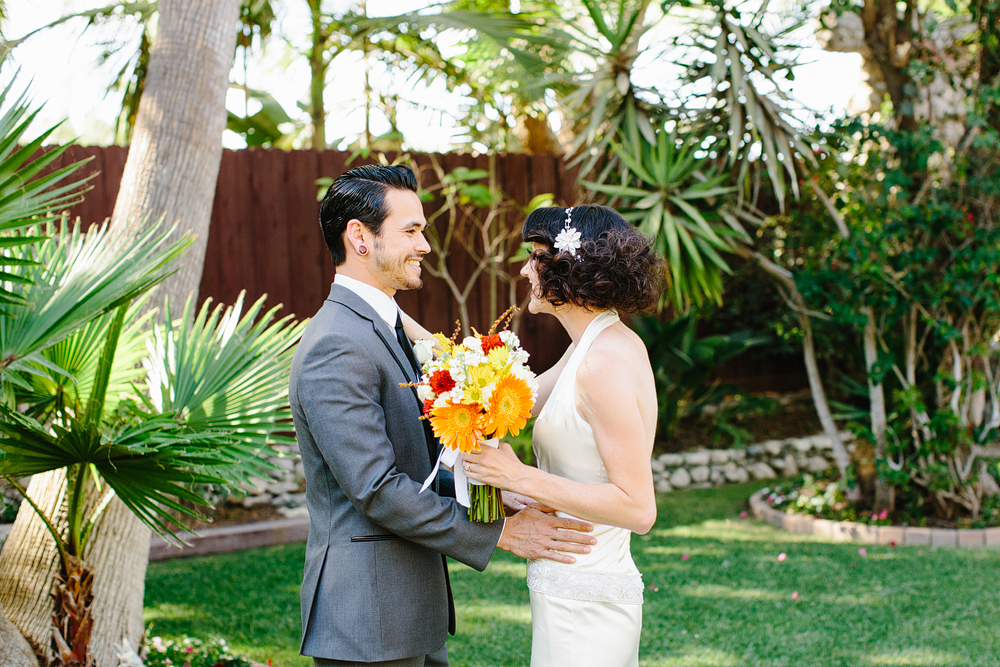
x,y
428,405
442,381
491,343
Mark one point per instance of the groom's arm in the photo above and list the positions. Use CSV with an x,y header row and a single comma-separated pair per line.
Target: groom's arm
x,y
339,393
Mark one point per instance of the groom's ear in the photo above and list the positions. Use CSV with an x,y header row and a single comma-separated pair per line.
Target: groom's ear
x,y
354,234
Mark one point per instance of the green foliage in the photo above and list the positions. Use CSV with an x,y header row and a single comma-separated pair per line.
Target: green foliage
x,y
919,248
682,365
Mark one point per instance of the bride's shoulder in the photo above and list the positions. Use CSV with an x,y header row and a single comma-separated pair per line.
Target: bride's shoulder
x,y
617,351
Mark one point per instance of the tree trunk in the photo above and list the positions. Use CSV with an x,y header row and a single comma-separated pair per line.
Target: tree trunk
x,y
173,162
891,42
788,288
14,648
118,554
29,561
876,394
318,65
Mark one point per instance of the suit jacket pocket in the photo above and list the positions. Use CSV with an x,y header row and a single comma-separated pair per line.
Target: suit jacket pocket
x,y
375,538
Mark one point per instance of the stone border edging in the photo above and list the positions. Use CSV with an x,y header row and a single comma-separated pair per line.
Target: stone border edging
x,y
232,538
849,531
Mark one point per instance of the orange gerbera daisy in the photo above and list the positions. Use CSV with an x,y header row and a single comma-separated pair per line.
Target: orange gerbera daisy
x,y
509,407
458,425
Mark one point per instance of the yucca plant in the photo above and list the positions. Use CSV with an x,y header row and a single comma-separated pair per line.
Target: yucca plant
x,y
679,199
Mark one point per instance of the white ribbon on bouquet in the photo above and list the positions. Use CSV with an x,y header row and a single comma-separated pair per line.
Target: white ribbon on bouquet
x,y
449,458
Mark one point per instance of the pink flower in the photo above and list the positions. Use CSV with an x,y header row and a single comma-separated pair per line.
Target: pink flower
x,y
862,552
874,517
782,557
892,543
188,649
685,557
795,595
743,515
883,514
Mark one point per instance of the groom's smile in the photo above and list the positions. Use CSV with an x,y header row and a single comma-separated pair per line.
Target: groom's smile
x,y
400,244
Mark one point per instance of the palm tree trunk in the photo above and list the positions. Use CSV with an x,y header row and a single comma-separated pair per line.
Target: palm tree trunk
x,y
29,561
14,648
173,162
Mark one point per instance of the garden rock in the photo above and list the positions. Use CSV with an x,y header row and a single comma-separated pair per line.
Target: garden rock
x,y
672,459
761,470
657,465
698,458
772,447
719,456
737,475
253,501
680,479
700,474
279,488
790,468
663,486
817,464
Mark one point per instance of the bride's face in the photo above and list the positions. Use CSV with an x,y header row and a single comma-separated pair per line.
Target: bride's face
x,y
537,304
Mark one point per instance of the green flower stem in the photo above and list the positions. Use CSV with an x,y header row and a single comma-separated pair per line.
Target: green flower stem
x,y
485,503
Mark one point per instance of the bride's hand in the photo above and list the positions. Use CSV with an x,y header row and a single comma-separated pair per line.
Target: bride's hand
x,y
518,502
496,466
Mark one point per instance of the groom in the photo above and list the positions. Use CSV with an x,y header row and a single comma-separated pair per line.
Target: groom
x,y
376,588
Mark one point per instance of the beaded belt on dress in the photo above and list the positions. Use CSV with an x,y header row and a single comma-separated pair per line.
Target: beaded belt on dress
x,y
587,585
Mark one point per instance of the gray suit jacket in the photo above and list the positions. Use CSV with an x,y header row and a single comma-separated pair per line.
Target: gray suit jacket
x,y
375,585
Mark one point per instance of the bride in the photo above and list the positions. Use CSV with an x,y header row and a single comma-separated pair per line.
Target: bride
x,y
593,437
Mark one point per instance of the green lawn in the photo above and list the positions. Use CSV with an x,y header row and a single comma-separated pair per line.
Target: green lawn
x,y
729,604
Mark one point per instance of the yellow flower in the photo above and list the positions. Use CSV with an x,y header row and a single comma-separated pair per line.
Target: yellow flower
x,y
498,359
458,425
509,407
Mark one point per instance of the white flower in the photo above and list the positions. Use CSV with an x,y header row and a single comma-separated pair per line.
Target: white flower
x,y
568,240
424,392
472,343
487,391
441,401
423,350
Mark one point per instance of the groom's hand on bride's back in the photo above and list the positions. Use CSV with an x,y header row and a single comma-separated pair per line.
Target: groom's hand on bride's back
x,y
534,534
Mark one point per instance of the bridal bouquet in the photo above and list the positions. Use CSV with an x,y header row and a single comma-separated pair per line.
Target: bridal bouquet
x,y
473,390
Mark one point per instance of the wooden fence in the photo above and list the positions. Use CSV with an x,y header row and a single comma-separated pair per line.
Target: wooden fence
x,y
265,238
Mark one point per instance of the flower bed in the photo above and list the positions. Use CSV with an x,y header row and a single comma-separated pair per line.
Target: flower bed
x,y
871,532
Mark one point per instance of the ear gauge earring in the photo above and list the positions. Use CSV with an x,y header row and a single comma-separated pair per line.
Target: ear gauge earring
x,y
362,250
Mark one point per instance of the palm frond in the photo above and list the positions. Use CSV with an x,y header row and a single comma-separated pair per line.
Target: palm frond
x,y
228,372
78,277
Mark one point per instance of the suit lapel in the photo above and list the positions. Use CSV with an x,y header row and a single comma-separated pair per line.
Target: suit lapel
x,y
346,297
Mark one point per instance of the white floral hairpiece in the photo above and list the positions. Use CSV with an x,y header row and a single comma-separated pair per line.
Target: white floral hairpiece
x,y
568,239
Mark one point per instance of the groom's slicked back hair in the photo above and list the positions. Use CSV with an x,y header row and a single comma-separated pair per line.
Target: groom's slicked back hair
x,y
359,194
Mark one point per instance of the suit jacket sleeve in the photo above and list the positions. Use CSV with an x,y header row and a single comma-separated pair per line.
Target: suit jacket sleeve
x,y
345,414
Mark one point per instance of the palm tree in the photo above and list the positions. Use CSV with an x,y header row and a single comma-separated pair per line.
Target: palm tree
x,y
203,406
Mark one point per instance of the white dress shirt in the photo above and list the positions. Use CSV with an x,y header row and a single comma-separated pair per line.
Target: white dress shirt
x,y
383,304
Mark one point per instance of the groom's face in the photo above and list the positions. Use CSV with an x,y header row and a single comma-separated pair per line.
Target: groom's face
x,y
400,245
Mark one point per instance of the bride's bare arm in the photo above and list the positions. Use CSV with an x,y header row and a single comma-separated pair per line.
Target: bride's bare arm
x,y
615,395
413,330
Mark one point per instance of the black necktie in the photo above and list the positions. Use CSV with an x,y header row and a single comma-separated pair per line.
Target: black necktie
x,y
404,343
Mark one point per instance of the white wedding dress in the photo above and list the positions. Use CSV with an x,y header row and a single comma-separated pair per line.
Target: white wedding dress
x,y
588,613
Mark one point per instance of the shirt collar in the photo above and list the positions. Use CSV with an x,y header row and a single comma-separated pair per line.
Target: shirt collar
x,y
382,303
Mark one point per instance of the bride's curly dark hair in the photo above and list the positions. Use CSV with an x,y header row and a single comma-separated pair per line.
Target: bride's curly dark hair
x,y
615,267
